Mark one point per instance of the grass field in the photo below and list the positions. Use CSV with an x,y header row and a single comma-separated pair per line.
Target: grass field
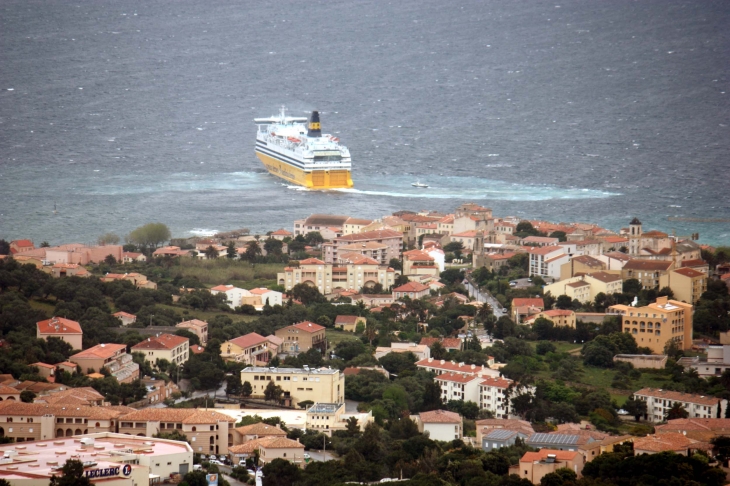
x,y
335,336
207,315
224,271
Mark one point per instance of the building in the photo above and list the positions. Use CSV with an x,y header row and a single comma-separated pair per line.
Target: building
x,y
30,422
320,223
329,417
703,430
540,241
260,297
439,367
659,402
449,344
371,249
21,246
668,442
458,387
560,317
498,438
207,431
535,465
522,308
486,426
125,317
588,443
132,257
644,361
109,459
327,277
298,385
657,324
494,396
234,295
170,251
301,337
349,323
76,253
584,288
59,270
647,272
715,364
687,284
420,351
111,356
46,371
250,349
63,329
581,264
440,425
412,290
197,327
545,261
168,347
393,240
419,262
258,430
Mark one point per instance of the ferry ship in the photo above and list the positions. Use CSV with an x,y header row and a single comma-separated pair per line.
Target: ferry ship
x,y
301,154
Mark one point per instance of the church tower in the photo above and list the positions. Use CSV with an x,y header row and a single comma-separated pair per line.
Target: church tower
x,y
634,237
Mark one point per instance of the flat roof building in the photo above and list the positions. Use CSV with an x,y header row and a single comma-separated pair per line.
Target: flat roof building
x,y
298,384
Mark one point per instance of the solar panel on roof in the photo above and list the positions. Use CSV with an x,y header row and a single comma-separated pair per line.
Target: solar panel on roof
x,y
556,439
500,434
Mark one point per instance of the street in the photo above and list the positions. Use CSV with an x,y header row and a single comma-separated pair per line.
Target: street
x,y
483,296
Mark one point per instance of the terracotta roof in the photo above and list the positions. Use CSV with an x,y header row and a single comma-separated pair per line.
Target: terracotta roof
x,y
450,366
59,325
578,284
11,407
457,378
163,341
371,235
346,319
103,350
260,291
542,454
23,243
356,259
544,250
695,424
83,395
8,390
44,365
261,429
308,326
617,255
440,417
281,232
647,265
368,245
326,220
589,261
519,302
282,443
697,262
192,323
615,239
67,364
197,349
496,382
182,415
358,221
411,287
311,261
689,272
540,239
668,441
248,447
558,313
417,255
248,340
604,277
678,396
123,314
223,288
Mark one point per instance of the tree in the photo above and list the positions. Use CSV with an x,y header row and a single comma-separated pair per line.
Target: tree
x,y
677,412
560,235
233,384
351,426
564,302
4,247
395,264
454,246
246,389
635,407
211,253
253,250
306,294
231,251
281,472
632,287
27,396
721,449
150,235
108,239
273,393
273,246
314,238
73,475
110,260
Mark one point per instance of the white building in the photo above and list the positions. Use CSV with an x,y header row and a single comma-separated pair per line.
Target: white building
x,y
493,396
271,296
439,367
440,424
459,387
545,261
659,402
233,294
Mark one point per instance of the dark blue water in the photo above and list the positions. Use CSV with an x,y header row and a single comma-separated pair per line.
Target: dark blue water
x,y
124,112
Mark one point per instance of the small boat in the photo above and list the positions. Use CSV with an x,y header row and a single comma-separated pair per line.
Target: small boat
x,y
419,185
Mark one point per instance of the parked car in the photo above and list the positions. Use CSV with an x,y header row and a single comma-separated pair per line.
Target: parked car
x,y
216,462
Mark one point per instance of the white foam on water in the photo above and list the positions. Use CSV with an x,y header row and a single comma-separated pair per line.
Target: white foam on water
x,y
203,232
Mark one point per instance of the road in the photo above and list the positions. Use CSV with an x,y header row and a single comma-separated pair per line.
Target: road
x,y
484,296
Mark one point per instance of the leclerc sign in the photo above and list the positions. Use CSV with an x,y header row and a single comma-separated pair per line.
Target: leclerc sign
x,y
108,472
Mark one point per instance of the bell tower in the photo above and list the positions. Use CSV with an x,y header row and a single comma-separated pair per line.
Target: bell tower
x,y
634,237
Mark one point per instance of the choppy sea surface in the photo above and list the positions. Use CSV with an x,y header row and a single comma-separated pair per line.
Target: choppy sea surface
x,y
126,112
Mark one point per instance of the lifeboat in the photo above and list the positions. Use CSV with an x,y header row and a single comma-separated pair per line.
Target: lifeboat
x,y
293,139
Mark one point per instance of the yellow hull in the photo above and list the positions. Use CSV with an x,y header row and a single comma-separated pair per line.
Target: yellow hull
x,y
316,179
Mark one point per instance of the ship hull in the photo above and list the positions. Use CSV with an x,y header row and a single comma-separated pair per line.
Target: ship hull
x,y
314,179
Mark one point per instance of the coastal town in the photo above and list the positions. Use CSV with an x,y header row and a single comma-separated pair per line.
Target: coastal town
x,y
419,347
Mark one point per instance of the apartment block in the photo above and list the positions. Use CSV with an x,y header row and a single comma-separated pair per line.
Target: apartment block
x,y
169,347
197,327
687,284
63,329
393,240
301,337
327,277
545,261
113,357
659,402
653,326
298,384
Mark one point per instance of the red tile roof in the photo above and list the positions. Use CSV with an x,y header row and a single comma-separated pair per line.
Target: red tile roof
x,y
457,378
248,340
59,325
678,396
411,287
542,454
372,235
668,441
496,382
647,265
698,262
346,319
104,350
308,326
311,261
163,341
281,232
123,314
223,288
440,417
689,272
520,302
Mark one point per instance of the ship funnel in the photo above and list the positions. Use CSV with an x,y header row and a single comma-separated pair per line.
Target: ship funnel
x,y
314,129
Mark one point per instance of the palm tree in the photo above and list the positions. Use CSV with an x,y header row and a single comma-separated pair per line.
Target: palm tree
x,y
211,253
